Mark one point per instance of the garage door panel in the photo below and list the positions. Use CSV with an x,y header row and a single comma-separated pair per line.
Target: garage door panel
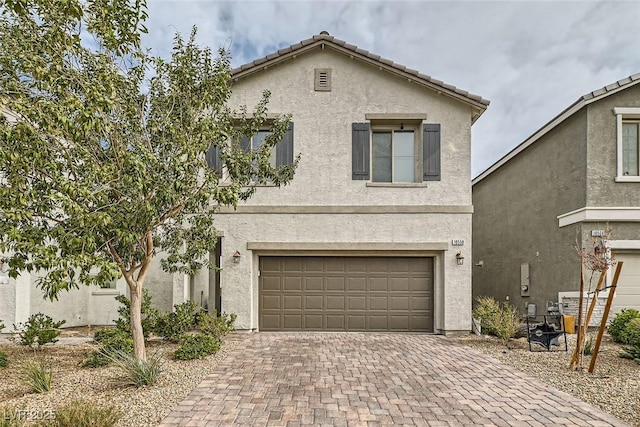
x,y
346,293
628,290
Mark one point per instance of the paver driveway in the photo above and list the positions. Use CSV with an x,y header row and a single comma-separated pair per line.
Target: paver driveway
x,y
340,379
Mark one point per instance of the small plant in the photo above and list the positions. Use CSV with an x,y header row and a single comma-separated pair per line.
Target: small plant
x,y
501,320
84,414
3,360
197,346
110,340
632,353
618,328
136,373
39,329
11,417
38,376
148,313
215,326
588,346
172,325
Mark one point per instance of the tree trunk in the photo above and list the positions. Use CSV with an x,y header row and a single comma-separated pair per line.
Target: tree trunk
x,y
135,311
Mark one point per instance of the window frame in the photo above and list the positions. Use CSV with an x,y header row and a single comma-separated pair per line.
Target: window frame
x,y
625,115
378,127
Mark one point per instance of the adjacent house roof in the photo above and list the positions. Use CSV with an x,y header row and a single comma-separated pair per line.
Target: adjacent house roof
x,y
325,40
583,101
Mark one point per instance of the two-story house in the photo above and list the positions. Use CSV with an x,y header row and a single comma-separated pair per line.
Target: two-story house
x,y
362,239
573,179
372,234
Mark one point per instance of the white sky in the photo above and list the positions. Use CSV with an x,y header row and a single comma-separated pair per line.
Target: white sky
x,y
531,59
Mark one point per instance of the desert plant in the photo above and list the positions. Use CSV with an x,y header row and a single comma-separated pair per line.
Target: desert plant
x,y
632,352
110,340
148,312
197,346
217,326
588,346
3,359
38,376
632,332
172,325
618,328
80,413
501,320
39,329
135,372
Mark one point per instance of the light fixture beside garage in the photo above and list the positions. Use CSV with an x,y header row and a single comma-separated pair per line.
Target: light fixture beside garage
x,y
459,258
236,257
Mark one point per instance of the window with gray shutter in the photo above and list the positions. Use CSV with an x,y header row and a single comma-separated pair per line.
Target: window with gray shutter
x,y
360,151
284,148
431,152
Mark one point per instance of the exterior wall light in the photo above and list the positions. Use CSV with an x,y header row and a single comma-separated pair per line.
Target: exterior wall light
x,y
236,257
459,258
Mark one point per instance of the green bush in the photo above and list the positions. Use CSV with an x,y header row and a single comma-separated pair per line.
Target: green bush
x,y
501,320
633,332
215,326
38,376
84,414
3,359
618,328
148,312
197,346
110,340
632,353
172,325
588,346
135,372
39,329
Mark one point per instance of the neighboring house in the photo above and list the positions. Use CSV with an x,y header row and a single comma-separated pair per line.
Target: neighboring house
x,y
574,178
366,235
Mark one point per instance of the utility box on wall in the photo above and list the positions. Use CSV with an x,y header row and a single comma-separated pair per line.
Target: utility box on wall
x,y
525,283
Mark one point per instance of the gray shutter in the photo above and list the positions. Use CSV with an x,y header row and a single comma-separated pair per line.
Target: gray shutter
x,y
360,151
431,152
213,158
284,148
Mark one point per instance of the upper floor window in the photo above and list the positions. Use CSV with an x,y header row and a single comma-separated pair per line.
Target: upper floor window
x,y
395,152
630,159
628,144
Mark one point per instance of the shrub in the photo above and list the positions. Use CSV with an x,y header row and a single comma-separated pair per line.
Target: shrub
x,y
633,332
632,353
110,340
39,329
618,326
501,320
215,326
197,346
172,325
84,414
148,312
135,372
588,346
37,376
3,359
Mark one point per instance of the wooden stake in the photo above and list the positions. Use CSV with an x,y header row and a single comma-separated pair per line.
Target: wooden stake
x,y
576,354
605,316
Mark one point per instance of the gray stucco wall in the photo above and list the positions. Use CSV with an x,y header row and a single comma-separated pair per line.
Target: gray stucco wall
x,y
515,218
602,190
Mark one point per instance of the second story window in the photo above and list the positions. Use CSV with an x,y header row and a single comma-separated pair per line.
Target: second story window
x,y
394,156
630,149
255,142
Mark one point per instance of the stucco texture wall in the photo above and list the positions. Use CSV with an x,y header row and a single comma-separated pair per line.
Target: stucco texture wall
x,y
515,218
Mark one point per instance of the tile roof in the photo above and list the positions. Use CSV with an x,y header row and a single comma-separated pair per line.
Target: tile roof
x,y
584,100
325,38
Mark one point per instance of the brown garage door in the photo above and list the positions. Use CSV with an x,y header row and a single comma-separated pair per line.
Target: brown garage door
x,y
346,294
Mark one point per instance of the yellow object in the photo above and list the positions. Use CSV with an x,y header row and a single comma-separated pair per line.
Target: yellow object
x,y
569,323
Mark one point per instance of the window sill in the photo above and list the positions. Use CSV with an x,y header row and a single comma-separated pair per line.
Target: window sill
x,y
627,178
106,292
398,184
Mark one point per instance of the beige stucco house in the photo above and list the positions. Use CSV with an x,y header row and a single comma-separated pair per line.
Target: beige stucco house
x,y
374,231
573,179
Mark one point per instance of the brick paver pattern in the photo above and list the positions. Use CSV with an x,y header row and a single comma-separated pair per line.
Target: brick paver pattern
x,y
371,379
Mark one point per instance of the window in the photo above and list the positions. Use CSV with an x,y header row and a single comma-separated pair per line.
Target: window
x,y
282,154
630,156
628,144
109,285
393,156
396,152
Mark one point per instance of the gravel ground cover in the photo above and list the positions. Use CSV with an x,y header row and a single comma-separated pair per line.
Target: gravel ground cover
x,y
614,386
145,406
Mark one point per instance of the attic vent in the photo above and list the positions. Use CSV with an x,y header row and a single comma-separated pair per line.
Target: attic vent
x,y
322,80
